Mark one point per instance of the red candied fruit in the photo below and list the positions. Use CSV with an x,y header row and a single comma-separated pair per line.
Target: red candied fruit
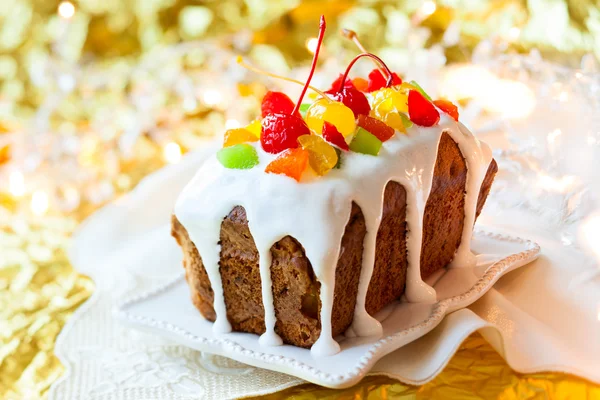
x,y
281,131
448,107
354,99
421,111
333,136
350,96
292,162
335,86
377,128
378,81
276,103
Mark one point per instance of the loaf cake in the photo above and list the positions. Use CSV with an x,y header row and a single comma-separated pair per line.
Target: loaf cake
x,y
306,224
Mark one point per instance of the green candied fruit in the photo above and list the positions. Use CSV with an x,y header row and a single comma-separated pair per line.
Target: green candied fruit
x,y
405,120
304,108
415,84
240,156
365,143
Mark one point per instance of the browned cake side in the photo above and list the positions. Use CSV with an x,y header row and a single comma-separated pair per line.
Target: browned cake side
x,y
295,288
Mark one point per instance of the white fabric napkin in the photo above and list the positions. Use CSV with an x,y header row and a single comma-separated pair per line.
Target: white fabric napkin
x,y
542,317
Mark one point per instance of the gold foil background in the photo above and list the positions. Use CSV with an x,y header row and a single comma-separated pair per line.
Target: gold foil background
x,y
39,290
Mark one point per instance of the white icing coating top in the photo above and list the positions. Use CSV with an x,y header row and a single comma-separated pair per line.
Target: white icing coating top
x,y
316,210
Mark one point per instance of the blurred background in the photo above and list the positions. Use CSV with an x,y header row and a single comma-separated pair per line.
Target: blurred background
x,y
96,94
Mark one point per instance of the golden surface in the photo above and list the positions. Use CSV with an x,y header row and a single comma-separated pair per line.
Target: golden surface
x,y
38,292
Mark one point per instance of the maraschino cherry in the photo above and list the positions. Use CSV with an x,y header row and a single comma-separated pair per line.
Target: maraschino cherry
x,y
377,81
348,94
277,103
281,130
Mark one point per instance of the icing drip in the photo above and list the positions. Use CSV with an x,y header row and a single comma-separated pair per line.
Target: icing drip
x,y
207,243
315,212
477,156
269,338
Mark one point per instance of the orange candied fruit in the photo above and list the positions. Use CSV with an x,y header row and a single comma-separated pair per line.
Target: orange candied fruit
x,y
448,107
361,84
237,136
290,162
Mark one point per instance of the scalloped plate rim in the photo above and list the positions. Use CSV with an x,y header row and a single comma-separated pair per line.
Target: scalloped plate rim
x,y
231,349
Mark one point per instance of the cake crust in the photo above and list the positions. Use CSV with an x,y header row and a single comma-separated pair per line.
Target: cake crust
x,y
295,287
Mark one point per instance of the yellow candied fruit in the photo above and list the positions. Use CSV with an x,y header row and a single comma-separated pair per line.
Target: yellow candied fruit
x,y
322,157
237,136
254,128
392,118
390,99
408,86
334,112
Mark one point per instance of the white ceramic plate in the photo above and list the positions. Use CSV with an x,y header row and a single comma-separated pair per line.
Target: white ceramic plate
x,y
168,311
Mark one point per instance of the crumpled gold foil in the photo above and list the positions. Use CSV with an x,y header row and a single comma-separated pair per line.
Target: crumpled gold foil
x,y
475,372
38,292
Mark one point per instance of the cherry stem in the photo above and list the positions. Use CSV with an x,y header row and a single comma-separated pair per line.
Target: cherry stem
x,y
350,34
322,26
390,78
241,62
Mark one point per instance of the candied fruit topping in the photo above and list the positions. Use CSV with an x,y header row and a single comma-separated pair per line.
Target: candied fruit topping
x,y
281,131
406,86
254,127
361,84
239,156
390,99
237,136
448,107
392,119
376,127
276,103
405,120
291,162
378,81
335,86
365,143
333,112
322,157
354,99
421,111
333,136
303,109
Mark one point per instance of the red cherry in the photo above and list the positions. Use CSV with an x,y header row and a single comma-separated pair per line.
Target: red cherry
x,y
276,103
333,136
354,99
421,111
377,128
448,107
281,131
377,80
335,86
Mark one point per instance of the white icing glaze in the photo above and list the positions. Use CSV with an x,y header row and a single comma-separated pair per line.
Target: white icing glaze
x,y
478,159
316,211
